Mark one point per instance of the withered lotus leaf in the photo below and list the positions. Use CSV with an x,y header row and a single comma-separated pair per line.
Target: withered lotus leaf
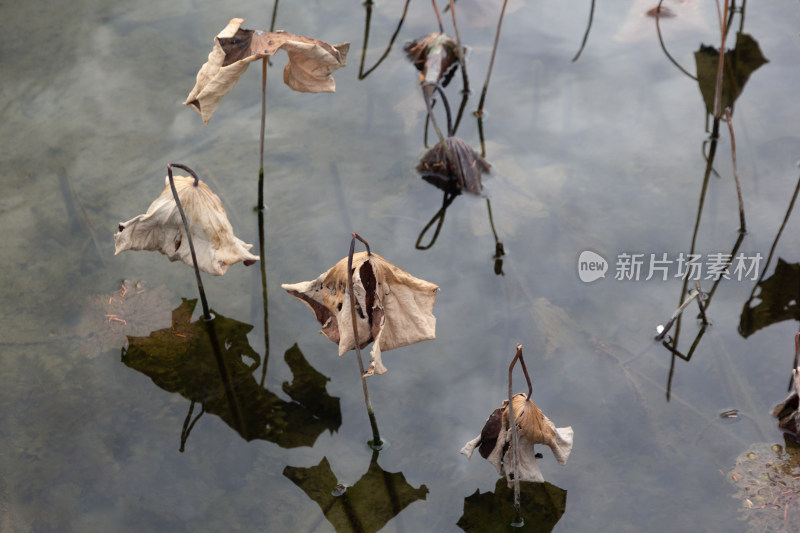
x,y
496,443
393,308
309,69
435,56
161,229
452,165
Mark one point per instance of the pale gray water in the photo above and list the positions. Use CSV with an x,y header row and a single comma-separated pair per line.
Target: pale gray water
x,y
603,154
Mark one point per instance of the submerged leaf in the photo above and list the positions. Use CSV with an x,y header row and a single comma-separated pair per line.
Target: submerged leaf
x,y
435,56
161,229
393,308
452,165
496,443
309,69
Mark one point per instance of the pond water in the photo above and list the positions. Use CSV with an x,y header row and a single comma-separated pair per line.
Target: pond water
x,y
607,153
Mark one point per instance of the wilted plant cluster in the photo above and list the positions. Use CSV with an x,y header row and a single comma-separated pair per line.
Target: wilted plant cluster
x,y
363,298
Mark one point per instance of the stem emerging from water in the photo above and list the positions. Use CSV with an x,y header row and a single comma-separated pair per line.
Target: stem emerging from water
x,y
263,127
513,424
376,443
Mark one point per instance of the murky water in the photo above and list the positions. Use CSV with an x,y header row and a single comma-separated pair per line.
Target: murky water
x,y
606,154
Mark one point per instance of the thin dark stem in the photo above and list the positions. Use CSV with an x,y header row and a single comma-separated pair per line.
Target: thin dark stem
x,y
206,312
376,442
368,4
586,34
438,16
447,199
263,266
461,55
274,16
365,243
263,127
187,427
479,112
729,120
664,47
461,108
427,96
777,238
513,424
498,244
723,23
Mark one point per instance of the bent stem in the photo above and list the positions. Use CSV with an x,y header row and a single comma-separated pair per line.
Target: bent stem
x,y
376,443
438,16
586,33
427,96
206,312
513,424
207,319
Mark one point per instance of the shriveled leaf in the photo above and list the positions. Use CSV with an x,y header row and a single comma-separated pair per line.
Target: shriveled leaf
x,y
161,229
496,443
393,308
452,165
376,498
311,63
435,56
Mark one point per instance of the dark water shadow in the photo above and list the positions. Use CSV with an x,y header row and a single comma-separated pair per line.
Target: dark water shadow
x,y
206,363
366,506
541,505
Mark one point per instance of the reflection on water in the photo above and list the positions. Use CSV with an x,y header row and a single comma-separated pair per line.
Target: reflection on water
x,y
542,505
367,505
184,359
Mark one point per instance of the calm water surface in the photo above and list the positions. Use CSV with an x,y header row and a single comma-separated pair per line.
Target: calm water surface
x,y
603,154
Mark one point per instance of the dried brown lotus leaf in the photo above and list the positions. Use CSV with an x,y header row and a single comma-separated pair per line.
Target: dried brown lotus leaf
x,y
533,427
435,57
161,229
311,63
393,308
